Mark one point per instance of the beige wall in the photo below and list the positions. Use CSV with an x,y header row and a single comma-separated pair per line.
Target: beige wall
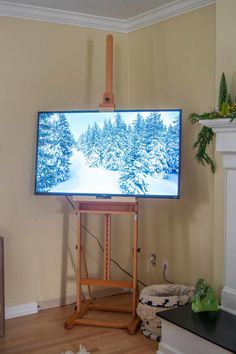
x,y
226,43
44,67
47,67
172,64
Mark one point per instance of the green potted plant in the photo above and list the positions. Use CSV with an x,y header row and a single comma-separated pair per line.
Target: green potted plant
x,y
226,109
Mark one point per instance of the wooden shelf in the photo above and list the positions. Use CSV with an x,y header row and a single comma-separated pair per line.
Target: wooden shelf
x,y
107,207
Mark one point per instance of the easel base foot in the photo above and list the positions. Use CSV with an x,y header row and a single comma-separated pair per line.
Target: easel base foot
x,y
75,319
71,321
133,326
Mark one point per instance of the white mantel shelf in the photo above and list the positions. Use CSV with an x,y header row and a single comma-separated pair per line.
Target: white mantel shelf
x,y
226,144
220,123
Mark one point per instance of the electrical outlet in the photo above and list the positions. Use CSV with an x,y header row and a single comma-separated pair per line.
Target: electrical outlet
x,y
164,265
153,259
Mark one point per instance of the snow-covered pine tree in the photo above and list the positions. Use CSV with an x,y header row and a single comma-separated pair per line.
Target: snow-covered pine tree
x,y
223,91
45,179
54,151
154,130
172,146
132,180
66,143
107,156
138,133
158,166
80,142
94,146
139,125
84,143
155,136
119,143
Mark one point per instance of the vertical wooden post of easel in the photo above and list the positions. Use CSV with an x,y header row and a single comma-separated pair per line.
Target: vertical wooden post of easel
x,y
78,273
132,327
108,97
83,258
135,261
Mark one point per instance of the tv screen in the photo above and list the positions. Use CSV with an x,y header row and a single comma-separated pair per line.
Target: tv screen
x,y
105,154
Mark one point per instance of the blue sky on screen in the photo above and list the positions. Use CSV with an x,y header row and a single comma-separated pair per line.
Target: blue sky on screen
x,y
79,121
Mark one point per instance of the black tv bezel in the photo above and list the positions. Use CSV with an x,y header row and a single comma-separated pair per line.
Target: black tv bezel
x,y
110,196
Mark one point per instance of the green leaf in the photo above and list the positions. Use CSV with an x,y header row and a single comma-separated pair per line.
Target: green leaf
x,y
204,138
223,91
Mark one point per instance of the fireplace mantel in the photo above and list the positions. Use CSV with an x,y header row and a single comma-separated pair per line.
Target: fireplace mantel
x,y
182,338
225,133
226,144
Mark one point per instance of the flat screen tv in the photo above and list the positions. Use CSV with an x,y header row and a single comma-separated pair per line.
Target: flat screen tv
x,y
107,154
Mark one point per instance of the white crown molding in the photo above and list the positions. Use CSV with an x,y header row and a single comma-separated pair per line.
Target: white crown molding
x,y
176,8
37,13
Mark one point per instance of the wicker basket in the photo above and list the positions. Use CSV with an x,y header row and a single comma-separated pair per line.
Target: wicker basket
x,y
156,298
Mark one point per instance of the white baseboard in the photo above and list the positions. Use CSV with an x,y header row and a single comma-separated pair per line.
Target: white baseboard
x,y
226,309
48,304
32,308
21,310
228,300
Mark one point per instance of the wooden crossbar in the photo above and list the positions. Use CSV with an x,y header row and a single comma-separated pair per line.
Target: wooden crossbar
x,y
100,307
107,283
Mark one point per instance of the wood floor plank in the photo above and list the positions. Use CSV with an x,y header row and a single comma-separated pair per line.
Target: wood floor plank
x,y
44,333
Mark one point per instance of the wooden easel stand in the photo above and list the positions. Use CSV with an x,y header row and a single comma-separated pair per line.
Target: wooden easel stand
x,y
107,209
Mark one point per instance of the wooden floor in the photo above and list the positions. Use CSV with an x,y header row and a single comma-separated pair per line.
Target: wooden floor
x,y
44,333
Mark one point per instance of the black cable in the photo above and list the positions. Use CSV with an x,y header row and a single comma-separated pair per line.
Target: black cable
x,y
164,275
68,199
100,245
117,264
90,233
112,260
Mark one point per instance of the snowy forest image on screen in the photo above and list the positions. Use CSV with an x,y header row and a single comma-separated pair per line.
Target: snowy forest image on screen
x,y
134,153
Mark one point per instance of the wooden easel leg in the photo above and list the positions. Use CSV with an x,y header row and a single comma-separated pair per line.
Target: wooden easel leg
x,y
107,248
72,319
78,273
86,268
81,308
133,326
135,250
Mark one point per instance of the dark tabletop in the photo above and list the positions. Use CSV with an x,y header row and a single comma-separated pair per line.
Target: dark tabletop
x,y
217,327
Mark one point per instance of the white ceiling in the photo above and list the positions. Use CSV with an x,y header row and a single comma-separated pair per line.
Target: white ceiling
x,y
119,9
116,15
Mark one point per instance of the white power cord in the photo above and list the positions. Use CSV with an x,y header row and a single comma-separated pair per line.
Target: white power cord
x,y
151,261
